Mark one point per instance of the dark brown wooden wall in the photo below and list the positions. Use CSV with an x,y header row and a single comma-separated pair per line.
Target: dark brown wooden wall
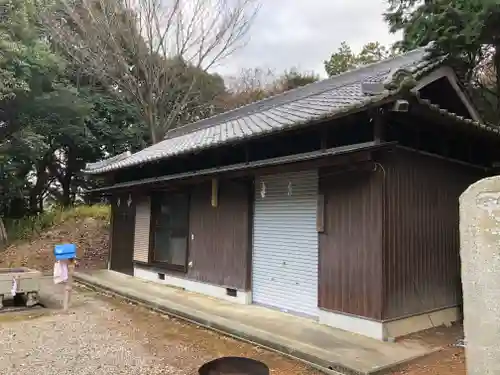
x,y
122,234
421,234
220,248
350,248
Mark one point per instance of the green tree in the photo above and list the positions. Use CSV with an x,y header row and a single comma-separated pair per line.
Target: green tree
x,y
53,119
345,59
293,78
24,59
341,61
373,52
27,66
467,31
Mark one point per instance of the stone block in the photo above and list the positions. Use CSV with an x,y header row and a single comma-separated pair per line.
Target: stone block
x,y
480,268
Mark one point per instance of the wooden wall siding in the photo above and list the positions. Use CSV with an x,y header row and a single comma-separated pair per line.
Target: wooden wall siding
x,y
219,250
122,234
142,224
350,247
421,250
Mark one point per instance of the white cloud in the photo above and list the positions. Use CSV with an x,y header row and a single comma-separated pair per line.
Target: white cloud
x,y
303,33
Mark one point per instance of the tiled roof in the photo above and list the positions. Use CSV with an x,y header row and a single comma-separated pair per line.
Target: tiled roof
x,y
335,96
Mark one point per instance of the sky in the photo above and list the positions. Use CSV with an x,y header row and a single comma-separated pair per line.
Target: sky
x,y
304,33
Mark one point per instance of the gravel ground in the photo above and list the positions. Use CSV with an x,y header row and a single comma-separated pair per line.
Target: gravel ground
x,y
449,361
106,336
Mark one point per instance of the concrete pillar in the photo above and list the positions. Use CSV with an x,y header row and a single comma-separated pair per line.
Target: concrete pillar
x,y
480,256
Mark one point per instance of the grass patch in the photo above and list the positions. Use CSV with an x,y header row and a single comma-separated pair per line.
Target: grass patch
x,y
27,227
96,211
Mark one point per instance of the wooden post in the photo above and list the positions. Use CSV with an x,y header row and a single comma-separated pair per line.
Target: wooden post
x,y
215,192
378,126
3,234
69,285
323,134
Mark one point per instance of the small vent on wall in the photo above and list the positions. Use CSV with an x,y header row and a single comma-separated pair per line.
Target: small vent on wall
x,y
231,292
161,276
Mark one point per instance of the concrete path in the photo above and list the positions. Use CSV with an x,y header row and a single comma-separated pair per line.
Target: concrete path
x,y
322,346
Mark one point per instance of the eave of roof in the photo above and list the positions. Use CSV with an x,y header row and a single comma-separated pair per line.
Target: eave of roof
x,y
314,155
444,112
114,159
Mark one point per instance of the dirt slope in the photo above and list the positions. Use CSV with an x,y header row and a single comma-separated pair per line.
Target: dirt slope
x,y
90,236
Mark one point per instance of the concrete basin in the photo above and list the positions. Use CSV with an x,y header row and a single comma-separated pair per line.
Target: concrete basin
x,y
25,282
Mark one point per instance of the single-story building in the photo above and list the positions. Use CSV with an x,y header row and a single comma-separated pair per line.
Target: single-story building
x,y
337,201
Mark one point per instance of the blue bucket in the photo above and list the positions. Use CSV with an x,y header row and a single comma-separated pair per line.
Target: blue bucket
x,y
65,251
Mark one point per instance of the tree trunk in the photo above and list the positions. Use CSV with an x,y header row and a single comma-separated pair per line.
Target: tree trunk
x,y
42,178
40,204
3,235
66,194
152,126
496,61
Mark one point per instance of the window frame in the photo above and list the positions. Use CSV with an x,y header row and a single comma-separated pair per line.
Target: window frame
x,y
155,200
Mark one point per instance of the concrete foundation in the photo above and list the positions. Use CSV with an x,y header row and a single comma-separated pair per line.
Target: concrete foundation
x,y
386,331
421,322
241,297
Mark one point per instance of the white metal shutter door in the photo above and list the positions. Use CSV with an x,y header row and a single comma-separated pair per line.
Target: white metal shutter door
x,y
142,223
285,243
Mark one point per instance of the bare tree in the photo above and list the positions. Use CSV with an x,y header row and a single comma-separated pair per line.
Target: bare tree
x,y
249,86
157,52
250,79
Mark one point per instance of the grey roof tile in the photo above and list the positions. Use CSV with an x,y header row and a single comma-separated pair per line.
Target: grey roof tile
x,y
311,102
